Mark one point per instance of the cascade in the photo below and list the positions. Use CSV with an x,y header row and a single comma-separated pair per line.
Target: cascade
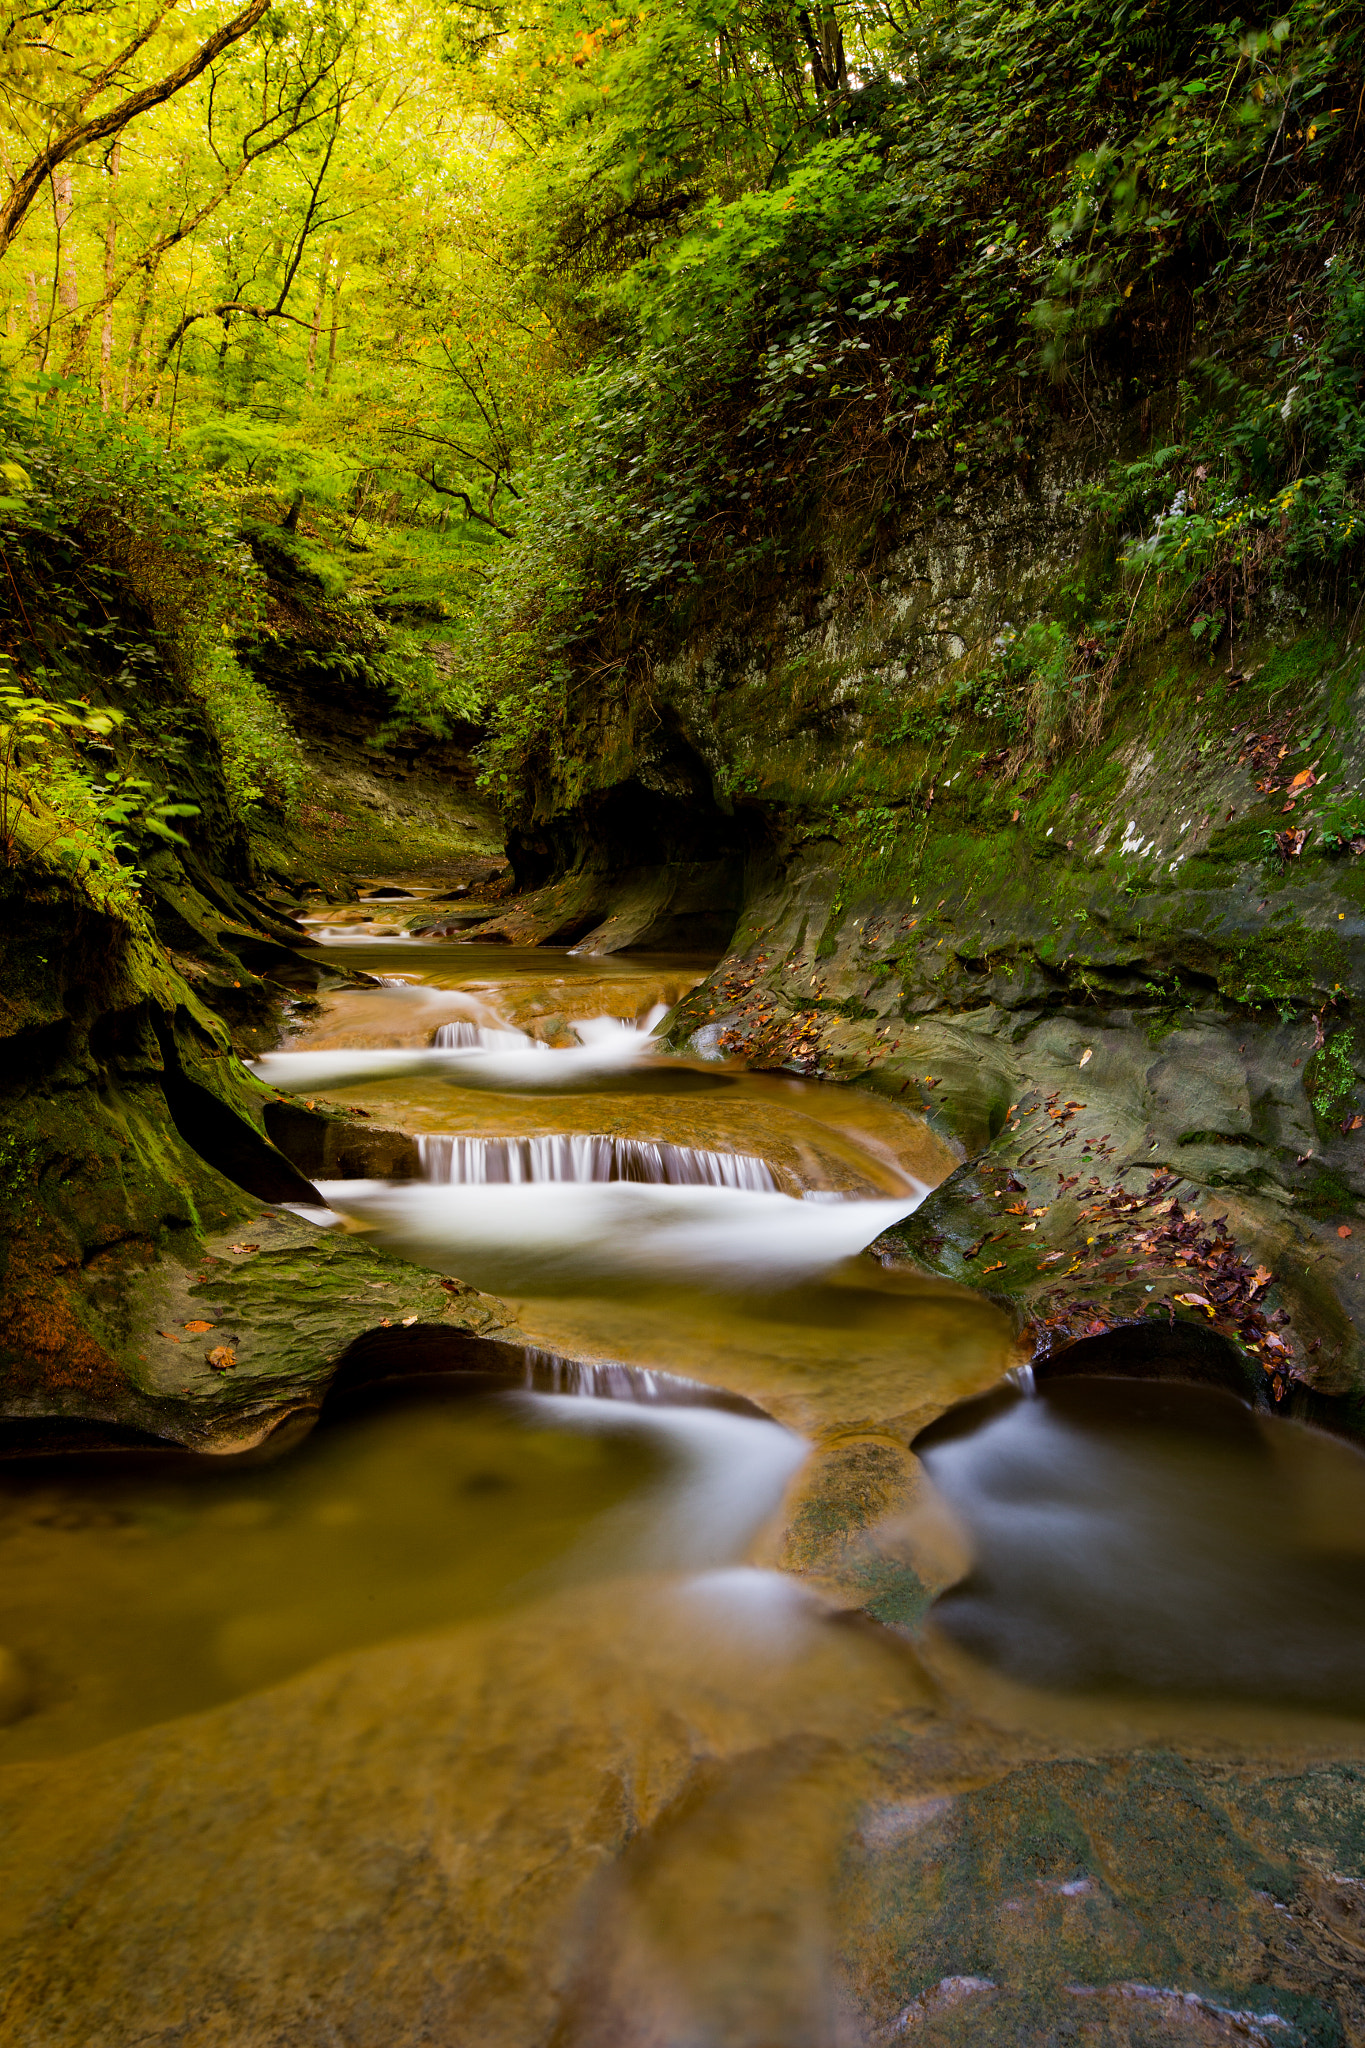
x,y
588,1158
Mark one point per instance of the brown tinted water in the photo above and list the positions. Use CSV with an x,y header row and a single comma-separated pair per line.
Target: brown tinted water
x,y
536,1646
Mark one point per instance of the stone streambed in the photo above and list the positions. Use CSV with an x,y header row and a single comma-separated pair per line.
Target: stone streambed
x,y
582,1783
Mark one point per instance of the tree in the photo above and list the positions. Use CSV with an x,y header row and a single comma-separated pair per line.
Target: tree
x,y
52,92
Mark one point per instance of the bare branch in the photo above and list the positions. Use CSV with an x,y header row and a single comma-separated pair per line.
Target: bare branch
x,y
30,182
125,56
184,325
450,491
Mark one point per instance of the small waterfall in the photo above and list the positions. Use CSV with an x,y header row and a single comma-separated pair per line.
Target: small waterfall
x,y
549,1372
461,1161
1021,1376
462,1036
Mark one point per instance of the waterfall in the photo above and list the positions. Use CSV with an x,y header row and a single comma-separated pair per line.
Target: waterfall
x,y
463,1160
549,1372
462,1036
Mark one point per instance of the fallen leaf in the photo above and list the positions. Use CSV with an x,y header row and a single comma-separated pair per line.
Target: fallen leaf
x,y
1028,1226
1305,779
996,1268
1086,1056
1195,1301
169,1335
222,1358
1262,1277
1343,1230
243,1247
197,1327
408,1322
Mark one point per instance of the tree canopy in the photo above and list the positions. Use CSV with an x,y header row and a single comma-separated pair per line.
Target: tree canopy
x,y
545,313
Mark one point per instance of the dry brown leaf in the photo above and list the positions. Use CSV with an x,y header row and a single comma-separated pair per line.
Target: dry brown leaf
x,y
243,1247
1262,1277
222,1358
197,1327
1343,1230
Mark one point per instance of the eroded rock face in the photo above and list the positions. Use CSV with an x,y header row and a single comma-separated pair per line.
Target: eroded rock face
x,y
1166,886
137,1153
1151,1011
108,1051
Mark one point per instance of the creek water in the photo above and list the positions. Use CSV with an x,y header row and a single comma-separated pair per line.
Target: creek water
x,y
1147,1536
647,1217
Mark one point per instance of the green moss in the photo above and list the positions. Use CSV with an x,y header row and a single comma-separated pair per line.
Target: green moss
x,y
1290,965
1237,843
1329,1080
1326,1195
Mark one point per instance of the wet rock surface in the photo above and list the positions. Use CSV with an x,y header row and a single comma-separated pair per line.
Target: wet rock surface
x,y
219,1355
1156,1007
550,1830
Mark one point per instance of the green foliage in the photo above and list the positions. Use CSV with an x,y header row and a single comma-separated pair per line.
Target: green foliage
x,y
55,805
1267,483
1013,208
1330,1080
260,751
127,582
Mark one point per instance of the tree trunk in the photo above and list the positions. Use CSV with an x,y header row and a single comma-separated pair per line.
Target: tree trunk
x,y
144,300
110,248
64,256
315,330
332,338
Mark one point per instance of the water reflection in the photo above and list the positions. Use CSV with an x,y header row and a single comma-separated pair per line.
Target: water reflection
x,y
131,1593
1158,1538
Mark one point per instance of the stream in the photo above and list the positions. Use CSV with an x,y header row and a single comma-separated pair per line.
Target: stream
x,y
694,1239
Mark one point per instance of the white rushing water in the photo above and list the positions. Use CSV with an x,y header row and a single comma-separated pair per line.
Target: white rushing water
x,y
588,1158
512,1062
462,1036
547,1237
727,1474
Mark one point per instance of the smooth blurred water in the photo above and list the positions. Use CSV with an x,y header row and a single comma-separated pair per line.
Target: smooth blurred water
x,y
1156,1537
133,1590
